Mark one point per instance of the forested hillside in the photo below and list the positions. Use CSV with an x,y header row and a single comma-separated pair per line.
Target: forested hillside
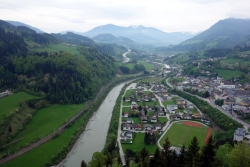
x,y
60,77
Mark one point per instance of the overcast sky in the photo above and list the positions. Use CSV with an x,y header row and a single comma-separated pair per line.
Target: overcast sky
x,y
83,15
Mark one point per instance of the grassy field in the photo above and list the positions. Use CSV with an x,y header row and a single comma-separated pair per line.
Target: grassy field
x,y
148,103
228,74
165,103
180,134
38,157
9,104
230,61
139,144
57,47
129,92
148,66
44,122
124,109
245,63
151,79
162,119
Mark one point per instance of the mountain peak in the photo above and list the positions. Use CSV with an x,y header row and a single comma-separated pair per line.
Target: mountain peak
x,y
136,26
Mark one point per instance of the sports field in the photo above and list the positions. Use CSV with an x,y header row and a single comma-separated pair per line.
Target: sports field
x,y
181,133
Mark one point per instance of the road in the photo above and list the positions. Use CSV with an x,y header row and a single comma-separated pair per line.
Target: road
x,y
124,55
246,125
133,85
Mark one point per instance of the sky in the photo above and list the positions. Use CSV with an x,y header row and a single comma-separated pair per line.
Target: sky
x,y
83,15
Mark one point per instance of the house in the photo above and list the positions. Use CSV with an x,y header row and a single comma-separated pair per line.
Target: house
x,y
127,99
126,126
196,115
129,135
175,117
148,127
126,114
129,120
172,108
160,113
144,119
134,105
227,84
138,127
157,126
239,134
205,121
153,119
181,103
186,116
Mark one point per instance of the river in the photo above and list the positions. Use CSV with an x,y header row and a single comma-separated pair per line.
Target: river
x,y
94,137
126,59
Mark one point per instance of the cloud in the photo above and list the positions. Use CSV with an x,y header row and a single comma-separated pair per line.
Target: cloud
x,y
83,15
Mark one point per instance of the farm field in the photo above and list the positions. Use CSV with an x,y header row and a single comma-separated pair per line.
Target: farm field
x,y
57,47
180,134
228,74
45,151
44,122
148,66
230,61
138,144
10,103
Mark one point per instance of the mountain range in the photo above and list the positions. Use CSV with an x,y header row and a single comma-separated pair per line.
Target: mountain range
x,y
141,34
16,23
223,34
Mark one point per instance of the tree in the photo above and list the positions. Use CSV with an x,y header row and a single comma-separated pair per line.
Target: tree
x,y
166,153
10,129
221,155
193,153
208,153
83,164
182,157
108,160
98,159
239,156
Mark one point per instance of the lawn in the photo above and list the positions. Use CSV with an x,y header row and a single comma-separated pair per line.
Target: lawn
x,y
162,119
124,103
228,74
180,134
41,155
129,92
165,103
135,119
44,122
150,79
57,47
124,109
139,144
9,104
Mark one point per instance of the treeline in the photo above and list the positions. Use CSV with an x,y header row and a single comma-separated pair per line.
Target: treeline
x,y
196,92
63,78
224,122
210,155
136,68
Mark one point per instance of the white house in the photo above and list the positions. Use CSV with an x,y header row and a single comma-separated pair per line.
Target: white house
x,y
172,108
227,84
239,134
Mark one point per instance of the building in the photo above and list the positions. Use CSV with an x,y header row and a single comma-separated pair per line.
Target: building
x,y
239,134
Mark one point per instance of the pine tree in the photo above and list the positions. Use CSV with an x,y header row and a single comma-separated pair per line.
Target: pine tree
x,y
208,153
83,164
166,153
182,157
193,153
